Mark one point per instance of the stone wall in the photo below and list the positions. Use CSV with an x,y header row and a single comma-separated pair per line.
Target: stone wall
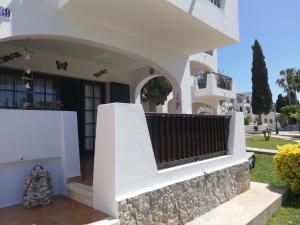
x,y
182,202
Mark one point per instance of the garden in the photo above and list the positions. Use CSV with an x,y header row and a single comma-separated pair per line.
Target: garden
x,y
258,141
283,169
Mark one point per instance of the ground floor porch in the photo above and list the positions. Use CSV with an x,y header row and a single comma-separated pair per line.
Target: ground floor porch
x,y
62,211
75,116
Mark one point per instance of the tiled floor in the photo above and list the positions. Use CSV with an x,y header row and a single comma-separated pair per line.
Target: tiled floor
x,y
62,211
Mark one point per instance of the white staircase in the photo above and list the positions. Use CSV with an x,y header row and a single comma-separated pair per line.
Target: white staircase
x,y
81,193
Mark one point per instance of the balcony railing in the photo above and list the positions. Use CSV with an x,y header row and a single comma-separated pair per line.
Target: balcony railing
x,y
216,2
224,82
183,138
210,52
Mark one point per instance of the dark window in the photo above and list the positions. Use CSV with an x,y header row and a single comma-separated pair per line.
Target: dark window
x,y
266,120
271,121
13,93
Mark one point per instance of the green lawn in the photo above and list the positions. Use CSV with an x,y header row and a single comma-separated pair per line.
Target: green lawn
x,y
289,213
259,142
264,171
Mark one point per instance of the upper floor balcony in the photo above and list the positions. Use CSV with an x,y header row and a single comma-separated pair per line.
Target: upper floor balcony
x,y
209,87
189,26
204,61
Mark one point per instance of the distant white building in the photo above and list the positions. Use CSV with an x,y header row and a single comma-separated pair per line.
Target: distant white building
x,y
242,103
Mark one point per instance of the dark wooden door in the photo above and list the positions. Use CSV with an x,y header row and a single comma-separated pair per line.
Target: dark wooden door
x,y
71,96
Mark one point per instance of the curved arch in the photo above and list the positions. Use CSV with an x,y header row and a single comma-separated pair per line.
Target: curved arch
x,y
93,43
138,89
201,108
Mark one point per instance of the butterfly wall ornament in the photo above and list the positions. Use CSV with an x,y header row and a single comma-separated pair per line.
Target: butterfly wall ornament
x,y
61,65
100,73
10,57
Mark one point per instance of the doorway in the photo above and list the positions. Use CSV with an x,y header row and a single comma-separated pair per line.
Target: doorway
x,y
83,97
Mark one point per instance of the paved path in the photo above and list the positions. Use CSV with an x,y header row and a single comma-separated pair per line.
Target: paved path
x,y
252,207
261,150
287,137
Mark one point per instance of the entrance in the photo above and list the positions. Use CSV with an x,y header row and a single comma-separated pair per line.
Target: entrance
x,y
83,97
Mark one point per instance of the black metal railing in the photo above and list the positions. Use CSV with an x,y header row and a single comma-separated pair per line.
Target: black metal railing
x,y
216,2
210,52
182,138
224,82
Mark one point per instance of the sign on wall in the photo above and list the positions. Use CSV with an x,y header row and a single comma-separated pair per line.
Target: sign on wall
x,y
6,12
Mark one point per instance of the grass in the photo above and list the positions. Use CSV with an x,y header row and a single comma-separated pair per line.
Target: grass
x,y
289,213
264,171
259,142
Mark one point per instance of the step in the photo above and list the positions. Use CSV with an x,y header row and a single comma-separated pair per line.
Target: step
x,y
254,207
80,192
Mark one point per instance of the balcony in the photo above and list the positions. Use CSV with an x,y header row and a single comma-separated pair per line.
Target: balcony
x,y
189,26
209,87
204,61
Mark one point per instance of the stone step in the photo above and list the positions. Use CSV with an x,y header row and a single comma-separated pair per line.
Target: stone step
x,y
254,207
80,192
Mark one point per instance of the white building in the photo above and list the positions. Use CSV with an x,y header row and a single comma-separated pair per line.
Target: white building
x,y
243,104
65,64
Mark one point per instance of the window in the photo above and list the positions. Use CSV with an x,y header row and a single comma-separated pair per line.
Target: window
x,y
266,120
271,121
44,94
14,95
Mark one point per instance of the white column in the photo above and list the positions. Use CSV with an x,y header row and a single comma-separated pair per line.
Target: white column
x,y
70,145
236,140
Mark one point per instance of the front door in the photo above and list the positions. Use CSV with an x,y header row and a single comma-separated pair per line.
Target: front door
x,y
83,97
94,95
70,92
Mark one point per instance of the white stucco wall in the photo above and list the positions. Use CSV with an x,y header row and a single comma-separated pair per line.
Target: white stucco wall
x,y
124,163
30,137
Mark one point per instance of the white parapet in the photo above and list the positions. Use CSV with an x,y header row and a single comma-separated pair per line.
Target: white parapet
x,y
124,163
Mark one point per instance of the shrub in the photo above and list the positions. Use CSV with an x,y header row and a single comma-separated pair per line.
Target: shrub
x,y
247,120
287,162
283,119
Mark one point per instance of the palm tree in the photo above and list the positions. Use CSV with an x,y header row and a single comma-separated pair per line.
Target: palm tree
x,y
290,82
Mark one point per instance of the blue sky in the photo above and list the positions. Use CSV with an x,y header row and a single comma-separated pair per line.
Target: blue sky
x,y
276,25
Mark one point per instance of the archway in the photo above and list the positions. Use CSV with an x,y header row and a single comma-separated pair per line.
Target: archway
x,y
155,94
203,109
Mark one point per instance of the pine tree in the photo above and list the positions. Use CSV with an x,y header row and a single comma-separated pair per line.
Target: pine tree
x,y
156,91
281,102
261,93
